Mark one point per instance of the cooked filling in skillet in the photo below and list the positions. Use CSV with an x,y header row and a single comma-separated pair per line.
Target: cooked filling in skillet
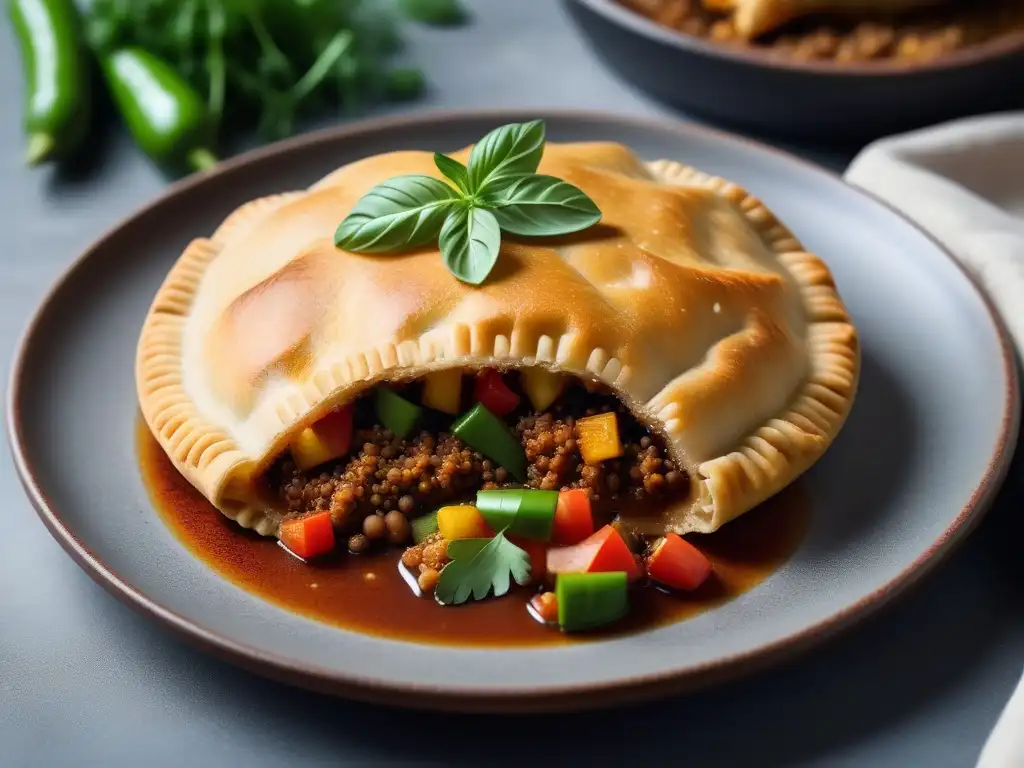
x,y
922,35
547,459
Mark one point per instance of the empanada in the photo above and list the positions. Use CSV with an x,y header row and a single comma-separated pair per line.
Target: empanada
x,y
690,303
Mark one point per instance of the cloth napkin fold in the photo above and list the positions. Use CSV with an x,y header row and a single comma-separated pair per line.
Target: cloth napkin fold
x,y
964,183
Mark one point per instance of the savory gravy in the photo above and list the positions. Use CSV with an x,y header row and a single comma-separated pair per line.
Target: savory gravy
x,y
366,593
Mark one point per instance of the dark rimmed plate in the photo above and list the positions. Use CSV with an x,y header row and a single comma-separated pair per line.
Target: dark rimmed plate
x,y
920,459
821,101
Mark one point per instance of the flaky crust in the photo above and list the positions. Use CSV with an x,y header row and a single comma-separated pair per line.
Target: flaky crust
x,y
690,300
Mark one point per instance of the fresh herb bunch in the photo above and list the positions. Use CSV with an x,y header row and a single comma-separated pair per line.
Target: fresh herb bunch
x,y
265,60
499,190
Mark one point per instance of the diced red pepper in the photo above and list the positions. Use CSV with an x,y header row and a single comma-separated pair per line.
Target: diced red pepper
x,y
491,391
676,563
573,519
339,423
602,552
309,536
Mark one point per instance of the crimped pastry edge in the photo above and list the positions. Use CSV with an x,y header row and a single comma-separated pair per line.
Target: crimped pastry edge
x,y
786,445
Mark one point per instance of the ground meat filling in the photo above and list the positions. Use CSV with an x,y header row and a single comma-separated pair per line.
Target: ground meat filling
x,y
426,560
417,474
914,37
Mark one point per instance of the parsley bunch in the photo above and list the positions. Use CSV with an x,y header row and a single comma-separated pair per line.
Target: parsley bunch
x,y
265,61
500,190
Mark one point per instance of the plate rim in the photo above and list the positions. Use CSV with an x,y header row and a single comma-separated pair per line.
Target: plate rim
x,y
453,698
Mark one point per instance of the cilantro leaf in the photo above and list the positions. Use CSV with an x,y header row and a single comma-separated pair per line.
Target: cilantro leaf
x,y
479,566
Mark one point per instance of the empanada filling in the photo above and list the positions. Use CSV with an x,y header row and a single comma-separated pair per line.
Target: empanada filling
x,y
490,478
406,452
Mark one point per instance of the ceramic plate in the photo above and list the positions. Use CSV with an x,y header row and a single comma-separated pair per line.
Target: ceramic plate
x,y
919,460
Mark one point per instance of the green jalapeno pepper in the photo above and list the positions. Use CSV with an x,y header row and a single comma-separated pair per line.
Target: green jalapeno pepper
x,y
55,61
164,114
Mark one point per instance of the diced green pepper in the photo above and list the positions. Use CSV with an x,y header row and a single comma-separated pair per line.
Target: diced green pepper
x,y
395,412
424,526
483,431
590,600
523,511
499,508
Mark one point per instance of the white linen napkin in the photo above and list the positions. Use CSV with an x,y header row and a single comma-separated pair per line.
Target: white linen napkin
x,y
964,183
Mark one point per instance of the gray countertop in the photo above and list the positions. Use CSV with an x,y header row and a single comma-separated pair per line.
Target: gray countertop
x,y
84,681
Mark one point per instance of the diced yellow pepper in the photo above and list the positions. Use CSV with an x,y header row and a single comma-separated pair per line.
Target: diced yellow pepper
x,y
462,522
328,439
442,391
310,450
542,387
599,438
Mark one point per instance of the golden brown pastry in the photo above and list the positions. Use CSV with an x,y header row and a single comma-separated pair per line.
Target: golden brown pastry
x,y
753,18
689,300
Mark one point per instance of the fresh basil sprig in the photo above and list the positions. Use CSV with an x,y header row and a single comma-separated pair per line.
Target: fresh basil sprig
x,y
509,150
469,242
455,171
403,212
499,190
541,206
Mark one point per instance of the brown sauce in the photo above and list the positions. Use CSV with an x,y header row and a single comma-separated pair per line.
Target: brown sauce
x,y
366,593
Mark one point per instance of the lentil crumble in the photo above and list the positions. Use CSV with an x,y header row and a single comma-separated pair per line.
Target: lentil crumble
x,y
371,492
913,37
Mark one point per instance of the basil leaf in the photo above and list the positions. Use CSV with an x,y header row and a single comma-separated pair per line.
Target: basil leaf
x,y
509,150
454,170
401,213
480,567
541,206
470,241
